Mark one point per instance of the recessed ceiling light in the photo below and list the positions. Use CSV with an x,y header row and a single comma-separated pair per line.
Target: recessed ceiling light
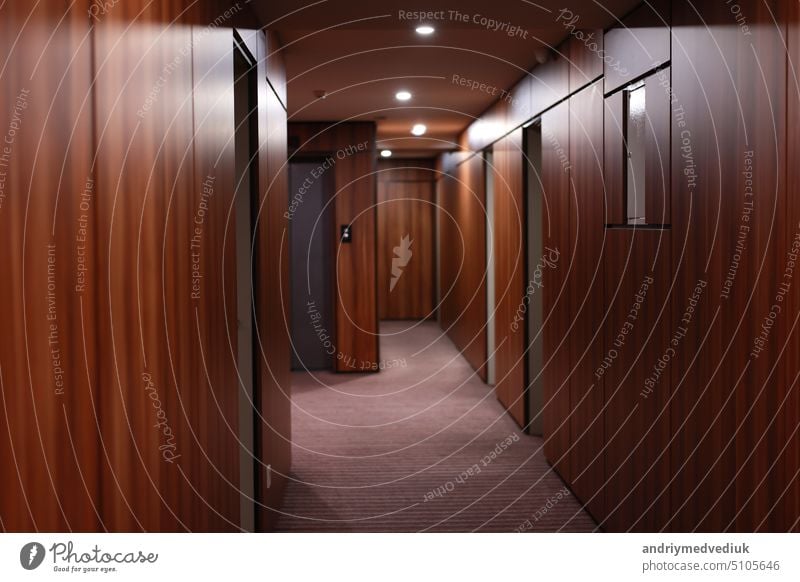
x,y
425,30
402,95
386,153
419,129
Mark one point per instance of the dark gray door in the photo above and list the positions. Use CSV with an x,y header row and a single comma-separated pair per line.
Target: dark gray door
x,y
311,263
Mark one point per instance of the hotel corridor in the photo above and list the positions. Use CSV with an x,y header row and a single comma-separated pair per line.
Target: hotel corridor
x,y
422,446
452,266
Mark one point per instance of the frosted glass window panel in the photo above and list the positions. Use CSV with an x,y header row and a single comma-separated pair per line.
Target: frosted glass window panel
x,y
635,140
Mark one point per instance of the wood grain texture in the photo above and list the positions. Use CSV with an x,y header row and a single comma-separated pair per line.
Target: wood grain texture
x,y
725,399
586,64
719,423
509,271
556,310
489,127
144,153
276,69
702,415
114,186
272,307
638,45
166,186
789,505
586,291
49,446
636,271
199,329
760,480
352,146
406,207
551,80
520,102
462,260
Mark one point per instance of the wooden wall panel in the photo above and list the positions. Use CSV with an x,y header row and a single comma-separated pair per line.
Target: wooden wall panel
x,y
273,302
141,167
701,412
198,335
719,421
586,292
276,70
520,102
551,80
639,44
789,504
129,418
725,399
353,147
169,329
637,272
490,126
49,448
760,480
556,297
510,273
462,262
406,207
448,161
585,62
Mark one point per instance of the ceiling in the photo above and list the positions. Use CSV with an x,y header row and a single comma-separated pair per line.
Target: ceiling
x,y
361,53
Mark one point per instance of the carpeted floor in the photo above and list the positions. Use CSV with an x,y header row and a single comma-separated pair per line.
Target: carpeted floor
x,y
422,446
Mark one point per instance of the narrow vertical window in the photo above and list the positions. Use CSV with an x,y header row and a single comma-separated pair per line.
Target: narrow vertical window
x,y
635,148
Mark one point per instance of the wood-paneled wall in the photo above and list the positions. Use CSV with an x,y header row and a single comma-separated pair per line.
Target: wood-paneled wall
x,y
571,67
640,44
407,208
350,147
49,444
789,459
144,171
726,399
509,273
118,376
636,278
682,411
557,313
272,304
585,285
461,199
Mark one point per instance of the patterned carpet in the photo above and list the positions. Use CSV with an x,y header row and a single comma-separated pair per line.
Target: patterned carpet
x,y
421,446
